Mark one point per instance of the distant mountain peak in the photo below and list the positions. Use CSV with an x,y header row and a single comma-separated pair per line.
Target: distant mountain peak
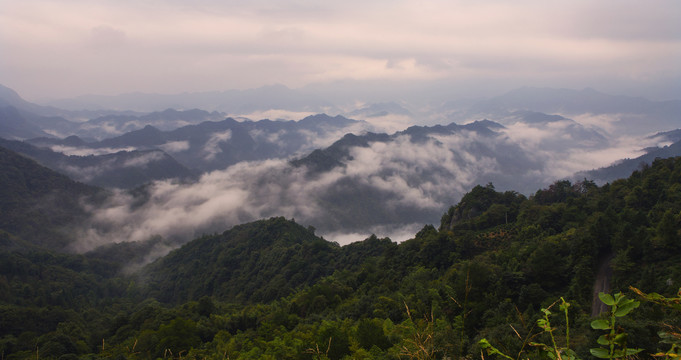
x,y
535,117
325,119
380,109
74,140
488,124
317,117
150,128
149,135
9,96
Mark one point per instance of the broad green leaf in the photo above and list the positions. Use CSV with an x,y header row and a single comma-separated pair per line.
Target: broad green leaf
x,y
617,297
621,338
626,308
607,299
600,353
600,324
602,340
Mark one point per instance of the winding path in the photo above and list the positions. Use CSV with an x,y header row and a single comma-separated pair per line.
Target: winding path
x,y
602,284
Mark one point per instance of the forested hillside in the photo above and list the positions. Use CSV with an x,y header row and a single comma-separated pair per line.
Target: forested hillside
x,y
37,205
272,289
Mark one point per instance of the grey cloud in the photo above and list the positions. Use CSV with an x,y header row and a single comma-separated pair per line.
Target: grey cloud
x,y
381,187
247,191
144,160
175,146
252,44
106,166
628,20
84,151
107,37
212,146
87,173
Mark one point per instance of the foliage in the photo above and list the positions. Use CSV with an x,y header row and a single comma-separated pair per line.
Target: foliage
x,y
551,351
38,204
616,340
272,289
672,334
554,351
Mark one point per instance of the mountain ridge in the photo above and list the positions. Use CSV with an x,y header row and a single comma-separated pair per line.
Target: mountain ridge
x,y
215,145
40,206
122,169
274,283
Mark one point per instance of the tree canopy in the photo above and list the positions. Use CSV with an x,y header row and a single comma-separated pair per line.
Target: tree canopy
x,y
273,289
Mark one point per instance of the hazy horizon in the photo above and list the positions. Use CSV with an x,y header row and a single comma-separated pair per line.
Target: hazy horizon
x,y
55,50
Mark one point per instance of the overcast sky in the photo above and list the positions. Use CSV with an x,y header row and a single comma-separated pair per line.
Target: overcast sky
x,y
65,48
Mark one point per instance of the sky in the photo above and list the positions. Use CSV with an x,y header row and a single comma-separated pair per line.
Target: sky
x,y
65,48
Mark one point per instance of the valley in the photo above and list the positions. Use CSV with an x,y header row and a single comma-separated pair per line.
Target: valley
x,y
193,234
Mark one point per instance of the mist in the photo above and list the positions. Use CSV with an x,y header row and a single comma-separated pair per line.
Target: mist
x,y
389,188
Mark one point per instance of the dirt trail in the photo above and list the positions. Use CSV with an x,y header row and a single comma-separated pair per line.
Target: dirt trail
x,y
602,284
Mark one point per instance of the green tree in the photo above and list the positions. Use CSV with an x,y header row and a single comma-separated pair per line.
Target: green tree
x,y
370,333
179,335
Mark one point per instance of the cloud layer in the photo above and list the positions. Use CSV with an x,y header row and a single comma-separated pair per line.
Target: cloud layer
x,y
388,188
170,46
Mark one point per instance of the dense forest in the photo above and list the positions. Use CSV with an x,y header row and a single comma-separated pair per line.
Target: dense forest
x,y
501,276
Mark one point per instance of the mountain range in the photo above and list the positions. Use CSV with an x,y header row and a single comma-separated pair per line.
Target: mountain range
x,y
121,169
333,172
214,145
191,234
626,115
275,283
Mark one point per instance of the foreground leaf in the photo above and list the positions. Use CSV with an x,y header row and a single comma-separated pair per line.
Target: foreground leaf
x,y
607,299
600,353
600,324
626,308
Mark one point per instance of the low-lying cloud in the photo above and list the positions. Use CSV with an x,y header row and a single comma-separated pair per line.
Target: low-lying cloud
x,y
88,172
401,176
175,146
565,148
212,147
385,187
390,123
276,114
144,159
86,151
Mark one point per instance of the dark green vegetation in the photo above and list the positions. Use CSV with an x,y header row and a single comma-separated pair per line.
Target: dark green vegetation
x,y
272,289
37,204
